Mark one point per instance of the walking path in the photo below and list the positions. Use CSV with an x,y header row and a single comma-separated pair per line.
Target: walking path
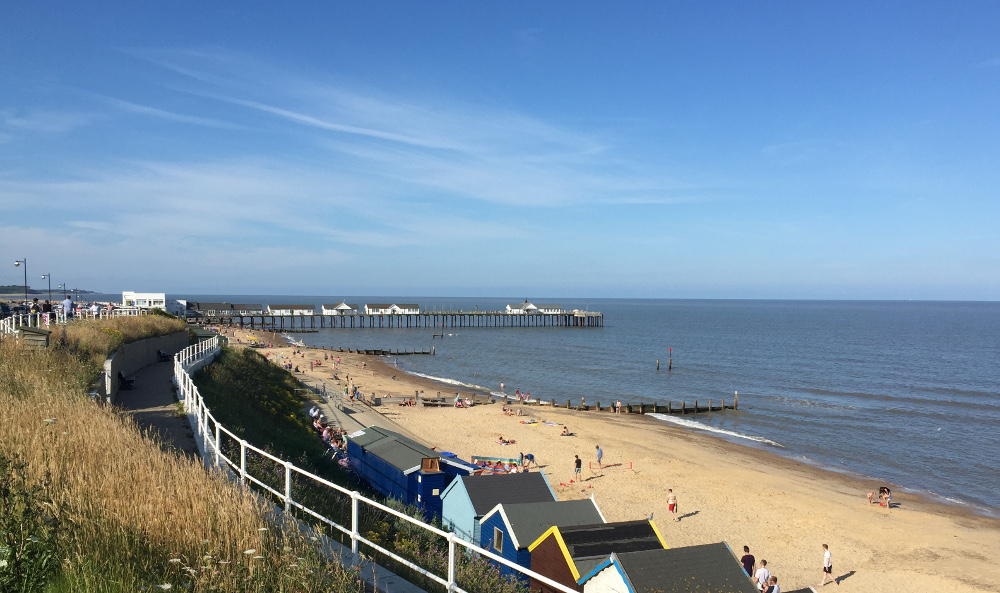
x,y
153,406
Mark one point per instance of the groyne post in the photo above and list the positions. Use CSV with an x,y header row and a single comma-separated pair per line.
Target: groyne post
x,y
695,407
668,408
736,400
683,409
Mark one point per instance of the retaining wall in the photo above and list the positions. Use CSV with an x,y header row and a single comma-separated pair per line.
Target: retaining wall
x,y
131,357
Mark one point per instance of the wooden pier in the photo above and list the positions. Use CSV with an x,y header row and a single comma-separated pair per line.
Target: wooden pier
x,y
428,319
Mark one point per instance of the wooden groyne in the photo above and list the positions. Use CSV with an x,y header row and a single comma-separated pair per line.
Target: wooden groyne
x,y
683,408
428,319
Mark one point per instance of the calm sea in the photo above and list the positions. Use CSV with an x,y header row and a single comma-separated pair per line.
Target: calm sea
x,y
908,392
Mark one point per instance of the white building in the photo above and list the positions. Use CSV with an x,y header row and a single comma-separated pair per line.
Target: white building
x,y
392,309
339,309
145,300
291,309
524,308
550,309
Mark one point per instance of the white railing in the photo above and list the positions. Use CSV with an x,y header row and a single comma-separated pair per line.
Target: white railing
x,y
10,324
210,432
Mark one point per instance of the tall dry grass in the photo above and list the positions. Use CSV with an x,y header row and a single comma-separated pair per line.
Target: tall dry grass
x,y
129,506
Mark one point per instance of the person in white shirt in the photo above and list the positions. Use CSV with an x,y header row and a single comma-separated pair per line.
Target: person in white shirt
x,y
828,566
762,576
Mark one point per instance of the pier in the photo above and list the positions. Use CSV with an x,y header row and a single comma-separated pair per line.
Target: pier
x,y
422,320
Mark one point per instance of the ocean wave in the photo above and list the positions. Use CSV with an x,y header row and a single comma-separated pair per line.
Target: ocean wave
x,y
705,427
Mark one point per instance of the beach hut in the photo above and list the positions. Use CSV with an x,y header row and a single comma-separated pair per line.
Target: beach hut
x,y
210,309
403,468
508,529
468,498
565,554
708,567
392,309
339,309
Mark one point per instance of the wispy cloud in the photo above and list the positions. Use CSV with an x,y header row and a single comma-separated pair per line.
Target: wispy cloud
x,y
137,109
47,121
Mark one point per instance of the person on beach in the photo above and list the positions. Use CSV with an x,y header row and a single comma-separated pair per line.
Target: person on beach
x,y
772,586
672,503
600,455
618,406
577,467
529,459
748,561
828,567
762,576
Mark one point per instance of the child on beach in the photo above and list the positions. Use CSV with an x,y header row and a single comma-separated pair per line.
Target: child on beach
x,y
672,503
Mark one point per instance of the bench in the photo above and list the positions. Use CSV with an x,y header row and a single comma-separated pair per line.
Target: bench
x,y
164,357
125,382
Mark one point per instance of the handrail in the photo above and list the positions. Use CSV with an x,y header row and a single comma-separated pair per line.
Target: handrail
x,y
9,325
209,431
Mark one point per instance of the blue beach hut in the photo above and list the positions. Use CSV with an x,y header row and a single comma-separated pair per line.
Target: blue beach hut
x,y
468,498
508,529
402,468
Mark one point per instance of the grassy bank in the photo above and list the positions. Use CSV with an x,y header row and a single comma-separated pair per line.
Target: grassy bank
x,y
89,503
258,401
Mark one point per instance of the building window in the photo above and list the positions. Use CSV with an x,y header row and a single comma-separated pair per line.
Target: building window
x,y
498,540
436,492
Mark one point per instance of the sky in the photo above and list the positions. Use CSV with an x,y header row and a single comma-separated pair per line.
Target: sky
x,y
789,150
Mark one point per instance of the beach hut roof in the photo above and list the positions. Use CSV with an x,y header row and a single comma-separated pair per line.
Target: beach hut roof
x,y
340,305
293,307
247,307
210,306
486,491
584,547
708,567
527,521
398,451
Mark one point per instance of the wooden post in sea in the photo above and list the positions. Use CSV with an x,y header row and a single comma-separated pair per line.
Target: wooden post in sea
x,y
598,406
668,408
709,404
695,407
657,364
723,404
670,357
683,408
736,400
567,404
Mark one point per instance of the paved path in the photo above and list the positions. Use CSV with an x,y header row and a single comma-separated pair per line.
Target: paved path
x,y
152,404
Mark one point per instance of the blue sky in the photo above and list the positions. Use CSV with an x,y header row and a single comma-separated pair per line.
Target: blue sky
x,y
647,149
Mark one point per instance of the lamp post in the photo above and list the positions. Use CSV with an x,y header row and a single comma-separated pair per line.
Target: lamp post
x,y
17,263
49,278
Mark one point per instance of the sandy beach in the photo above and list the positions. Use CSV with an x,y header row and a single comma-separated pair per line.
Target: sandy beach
x,y
782,509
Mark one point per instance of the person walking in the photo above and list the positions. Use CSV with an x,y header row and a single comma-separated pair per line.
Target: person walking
x,y
577,467
68,307
600,455
748,561
762,576
828,567
672,503
618,406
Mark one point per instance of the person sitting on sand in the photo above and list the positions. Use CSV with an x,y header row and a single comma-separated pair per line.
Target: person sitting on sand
x,y
565,431
468,403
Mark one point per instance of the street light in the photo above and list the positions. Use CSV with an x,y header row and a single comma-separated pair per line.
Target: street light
x,y
18,262
49,277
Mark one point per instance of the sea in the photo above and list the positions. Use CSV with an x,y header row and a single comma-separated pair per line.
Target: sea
x,y
902,391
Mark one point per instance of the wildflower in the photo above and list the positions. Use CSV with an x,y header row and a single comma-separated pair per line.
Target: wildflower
x,y
250,551
205,541
313,538
257,557
206,557
223,562
164,586
286,549
262,529
174,560
293,565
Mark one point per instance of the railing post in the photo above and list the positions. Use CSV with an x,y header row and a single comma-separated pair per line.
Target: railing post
x,y
243,461
354,522
451,562
216,443
288,486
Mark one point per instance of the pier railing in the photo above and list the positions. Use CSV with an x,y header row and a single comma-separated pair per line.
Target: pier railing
x,y
209,433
